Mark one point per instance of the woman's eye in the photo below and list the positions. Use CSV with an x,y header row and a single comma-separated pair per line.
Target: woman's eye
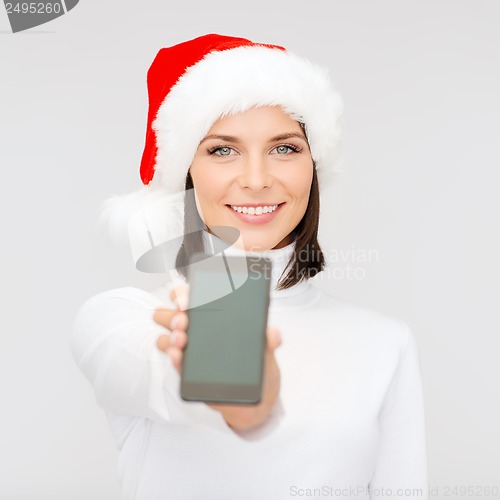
x,y
221,151
285,149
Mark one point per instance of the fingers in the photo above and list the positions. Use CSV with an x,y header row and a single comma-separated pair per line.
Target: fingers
x,y
176,357
175,320
173,345
163,342
171,319
172,349
177,339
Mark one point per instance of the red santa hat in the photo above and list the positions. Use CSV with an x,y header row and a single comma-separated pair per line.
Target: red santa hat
x,y
190,86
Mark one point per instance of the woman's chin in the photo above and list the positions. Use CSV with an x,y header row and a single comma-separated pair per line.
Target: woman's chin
x,y
250,241
252,244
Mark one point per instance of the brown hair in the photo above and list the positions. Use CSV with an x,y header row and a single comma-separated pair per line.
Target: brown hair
x,y
305,233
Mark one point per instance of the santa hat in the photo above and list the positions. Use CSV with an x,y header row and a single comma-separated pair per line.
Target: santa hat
x,y
190,86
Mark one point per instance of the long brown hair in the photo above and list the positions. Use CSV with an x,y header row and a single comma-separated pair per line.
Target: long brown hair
x,y
307,259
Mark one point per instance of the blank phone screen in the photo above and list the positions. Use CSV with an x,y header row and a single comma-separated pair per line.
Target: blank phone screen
x,y
225,335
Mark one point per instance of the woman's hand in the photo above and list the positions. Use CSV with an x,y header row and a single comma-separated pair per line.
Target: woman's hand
x,y
237,416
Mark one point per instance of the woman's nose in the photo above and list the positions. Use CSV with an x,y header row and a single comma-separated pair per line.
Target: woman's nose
x,y
255,174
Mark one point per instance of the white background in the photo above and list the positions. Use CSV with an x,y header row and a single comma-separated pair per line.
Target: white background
x,y
420,81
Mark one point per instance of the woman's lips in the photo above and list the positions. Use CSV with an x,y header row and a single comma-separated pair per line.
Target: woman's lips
x,y
256,219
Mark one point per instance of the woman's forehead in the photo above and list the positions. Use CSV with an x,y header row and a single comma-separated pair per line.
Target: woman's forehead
x,y
263,118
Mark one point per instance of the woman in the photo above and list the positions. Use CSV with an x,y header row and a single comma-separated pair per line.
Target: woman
x,y
251,131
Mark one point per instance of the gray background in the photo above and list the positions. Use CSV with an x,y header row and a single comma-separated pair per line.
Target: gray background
x,y
420,81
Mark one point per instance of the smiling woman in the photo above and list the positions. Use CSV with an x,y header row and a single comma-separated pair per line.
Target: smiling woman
x,y
252,131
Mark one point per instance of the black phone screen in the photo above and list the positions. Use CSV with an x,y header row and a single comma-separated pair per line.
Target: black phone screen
x,y
229,299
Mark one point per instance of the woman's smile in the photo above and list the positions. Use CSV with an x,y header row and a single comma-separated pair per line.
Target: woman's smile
x,y
256,213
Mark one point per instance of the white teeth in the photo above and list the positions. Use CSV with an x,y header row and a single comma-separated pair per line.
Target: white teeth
x,y
254,210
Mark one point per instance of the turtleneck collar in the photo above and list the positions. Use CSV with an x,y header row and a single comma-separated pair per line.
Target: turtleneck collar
x,y
279,257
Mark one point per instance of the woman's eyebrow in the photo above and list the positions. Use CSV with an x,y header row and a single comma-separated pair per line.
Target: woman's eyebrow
x,y
227,138
288,135
230,138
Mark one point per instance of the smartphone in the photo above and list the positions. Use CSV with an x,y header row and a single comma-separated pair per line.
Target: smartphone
x,y
223,361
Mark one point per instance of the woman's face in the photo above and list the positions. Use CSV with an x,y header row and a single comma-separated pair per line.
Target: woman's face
x,y
257,162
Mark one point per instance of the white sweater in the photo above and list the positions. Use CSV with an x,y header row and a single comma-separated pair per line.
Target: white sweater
x,y
349,422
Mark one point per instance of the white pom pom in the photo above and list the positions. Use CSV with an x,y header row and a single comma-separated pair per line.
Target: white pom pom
x,y
117,211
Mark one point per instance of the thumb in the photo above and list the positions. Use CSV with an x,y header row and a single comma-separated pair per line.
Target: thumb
x,y
273,338
180,296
